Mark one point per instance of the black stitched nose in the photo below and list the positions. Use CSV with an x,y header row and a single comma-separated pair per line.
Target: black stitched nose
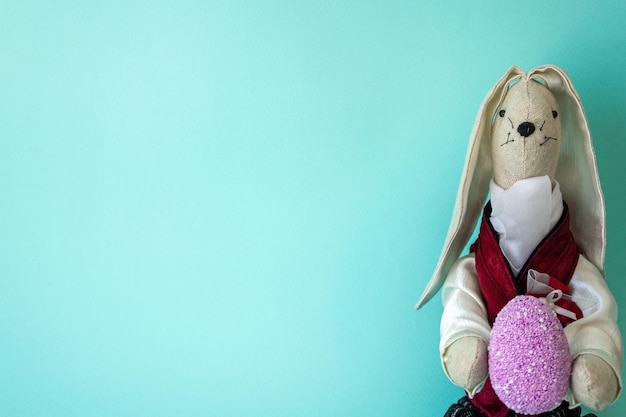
x,y
526,129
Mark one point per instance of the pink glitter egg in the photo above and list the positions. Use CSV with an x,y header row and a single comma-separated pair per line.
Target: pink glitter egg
x,y
529,358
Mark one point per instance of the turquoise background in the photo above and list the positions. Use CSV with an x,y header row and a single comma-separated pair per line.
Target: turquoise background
x,y
230,208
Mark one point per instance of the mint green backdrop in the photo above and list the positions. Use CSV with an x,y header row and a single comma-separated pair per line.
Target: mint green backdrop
x,y
229,208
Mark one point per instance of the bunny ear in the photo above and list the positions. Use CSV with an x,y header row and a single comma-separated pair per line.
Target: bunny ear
x,y
474,185
577,172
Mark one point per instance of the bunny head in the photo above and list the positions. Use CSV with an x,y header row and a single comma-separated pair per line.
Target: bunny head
x,y
526,134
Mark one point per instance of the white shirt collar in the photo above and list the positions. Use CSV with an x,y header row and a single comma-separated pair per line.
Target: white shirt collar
x,y
523,215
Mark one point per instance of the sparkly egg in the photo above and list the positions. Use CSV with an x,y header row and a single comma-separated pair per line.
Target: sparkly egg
x,y
529,358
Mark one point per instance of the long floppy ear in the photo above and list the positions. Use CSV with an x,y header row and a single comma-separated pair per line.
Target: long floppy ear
x,y
577,172
474,185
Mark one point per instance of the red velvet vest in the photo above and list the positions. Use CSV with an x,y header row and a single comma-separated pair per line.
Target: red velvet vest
x,y
557,255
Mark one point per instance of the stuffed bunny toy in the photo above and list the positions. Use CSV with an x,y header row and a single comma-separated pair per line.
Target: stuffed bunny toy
x,y
541,234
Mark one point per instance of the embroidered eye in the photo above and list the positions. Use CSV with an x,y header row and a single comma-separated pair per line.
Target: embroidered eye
x,y
554,113
501,113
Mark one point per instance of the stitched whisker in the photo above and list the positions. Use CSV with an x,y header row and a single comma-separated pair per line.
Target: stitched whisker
x,y
508,139
546,139
511,121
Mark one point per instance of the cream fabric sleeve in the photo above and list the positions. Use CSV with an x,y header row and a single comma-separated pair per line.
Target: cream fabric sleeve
x,y
597,332
464,312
